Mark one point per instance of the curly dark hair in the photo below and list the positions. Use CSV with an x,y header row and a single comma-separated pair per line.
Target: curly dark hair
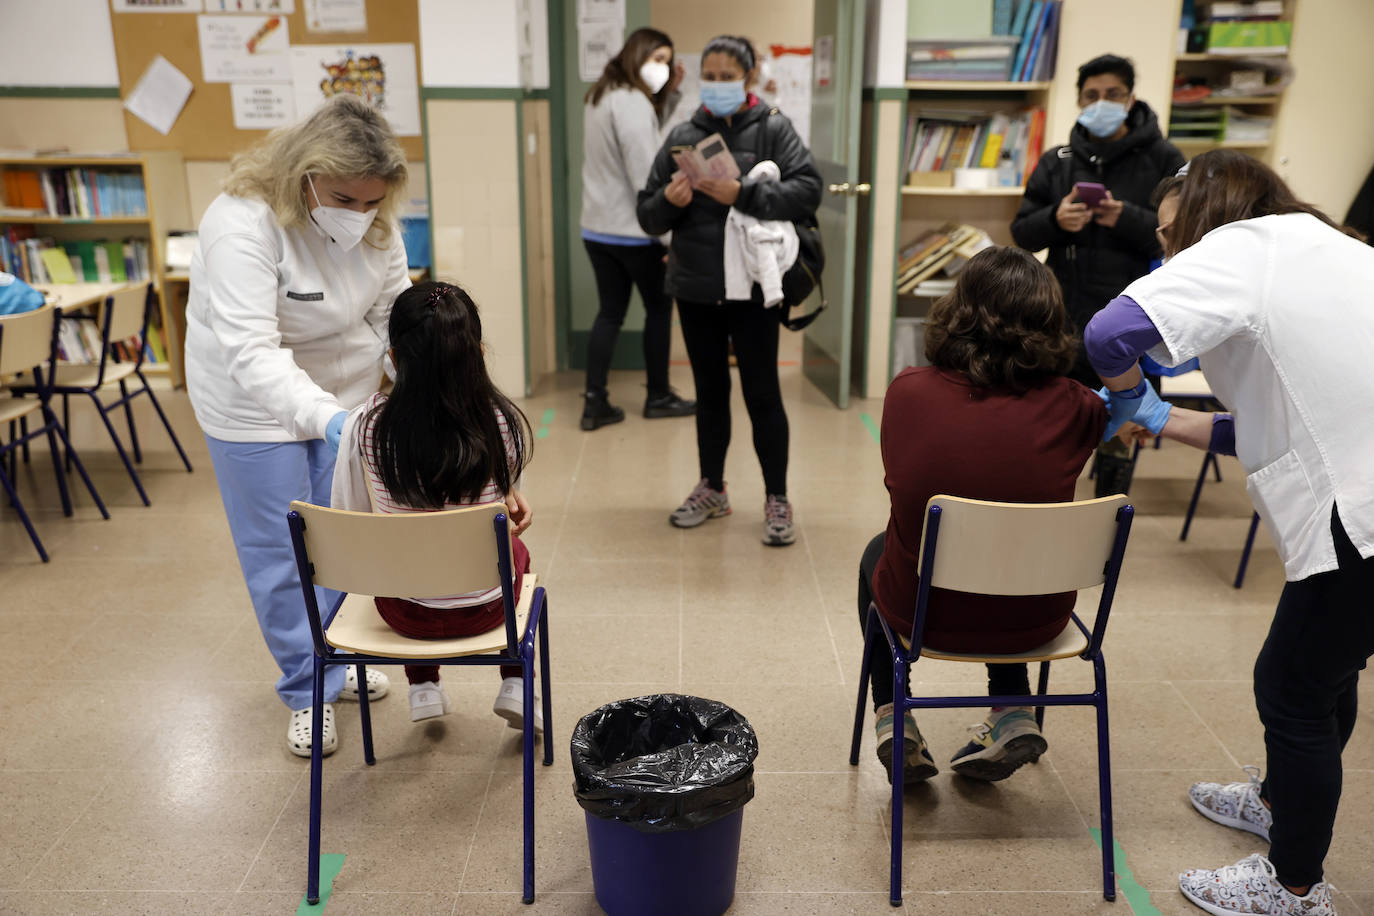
x,y
1004,325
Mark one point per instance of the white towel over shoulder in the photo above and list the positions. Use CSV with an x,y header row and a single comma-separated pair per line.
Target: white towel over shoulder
x,y
758,251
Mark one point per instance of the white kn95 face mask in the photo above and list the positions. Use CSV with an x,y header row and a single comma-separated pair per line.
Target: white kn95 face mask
x,y
344,227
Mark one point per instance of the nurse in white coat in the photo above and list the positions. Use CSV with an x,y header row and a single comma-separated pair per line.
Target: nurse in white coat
x,y
1278,304
292,282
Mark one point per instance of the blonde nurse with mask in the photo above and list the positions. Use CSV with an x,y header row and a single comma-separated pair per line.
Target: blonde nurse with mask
x,y
292,281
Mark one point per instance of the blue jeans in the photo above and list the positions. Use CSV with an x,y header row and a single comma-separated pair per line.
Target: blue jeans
x,y
257,482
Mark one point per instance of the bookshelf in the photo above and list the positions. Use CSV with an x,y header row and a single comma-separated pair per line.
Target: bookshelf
x,y
161,179
1244,125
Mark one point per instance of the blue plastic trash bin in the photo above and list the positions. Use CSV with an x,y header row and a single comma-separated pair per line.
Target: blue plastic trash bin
x,y
664,780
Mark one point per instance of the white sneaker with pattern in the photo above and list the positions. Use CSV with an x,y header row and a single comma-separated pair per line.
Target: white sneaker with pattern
x,y
1250,887
1235,804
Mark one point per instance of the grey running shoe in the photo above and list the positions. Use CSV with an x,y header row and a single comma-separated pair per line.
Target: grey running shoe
x,y
701,504
778,530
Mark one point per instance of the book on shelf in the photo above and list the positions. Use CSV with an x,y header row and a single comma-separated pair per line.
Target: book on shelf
x,y
943,141
1253,10
79,343
1219,123
1020,46
76,193
946,248
1248,38
41,260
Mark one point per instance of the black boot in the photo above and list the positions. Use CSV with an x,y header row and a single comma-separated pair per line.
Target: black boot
x,y
667,405
1114,474
598,411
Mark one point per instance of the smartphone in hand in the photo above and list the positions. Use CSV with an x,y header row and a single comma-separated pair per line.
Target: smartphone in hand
x,y
1090,193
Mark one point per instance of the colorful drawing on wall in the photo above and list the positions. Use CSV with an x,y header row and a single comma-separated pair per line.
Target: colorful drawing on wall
x,y
382,74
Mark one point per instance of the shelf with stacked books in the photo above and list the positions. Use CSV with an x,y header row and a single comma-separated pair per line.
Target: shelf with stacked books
x,y
977,85
96,219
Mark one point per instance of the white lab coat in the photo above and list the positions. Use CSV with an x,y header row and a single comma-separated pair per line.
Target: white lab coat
x,y
1280,310
758,251
283,328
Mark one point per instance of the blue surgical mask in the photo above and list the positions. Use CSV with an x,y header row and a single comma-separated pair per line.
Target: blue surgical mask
x,y
724,98
1103,118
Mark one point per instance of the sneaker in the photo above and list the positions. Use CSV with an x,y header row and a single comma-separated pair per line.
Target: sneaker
x,y
1235,804
378,684
1250,886
427,700
778,529
917,764
298,732
1000,744
701,504
510,704
668,405
598,411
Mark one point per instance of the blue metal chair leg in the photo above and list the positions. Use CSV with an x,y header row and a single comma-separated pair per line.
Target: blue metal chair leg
x,y
129,418
1197,491
24,431
80,468
1041,690
365,711
544,676
865,667
1245,554
1104,782
527,766
312,879
898,758
62,490
147,389
119,447
23,516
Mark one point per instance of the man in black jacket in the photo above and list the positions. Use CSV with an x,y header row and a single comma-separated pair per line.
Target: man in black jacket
x,y
1097,251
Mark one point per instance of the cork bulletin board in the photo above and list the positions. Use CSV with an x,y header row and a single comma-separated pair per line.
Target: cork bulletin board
x,y
205,128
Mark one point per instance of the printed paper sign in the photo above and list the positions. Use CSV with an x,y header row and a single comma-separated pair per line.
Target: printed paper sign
x,y
382,74
160,95
245,49
336,15
285,7
262,106
158,6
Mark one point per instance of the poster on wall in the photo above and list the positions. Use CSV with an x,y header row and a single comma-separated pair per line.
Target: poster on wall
x,y
157,6
244,49
262,106
382,74
160,95
249,6
336,15
597,42
786,84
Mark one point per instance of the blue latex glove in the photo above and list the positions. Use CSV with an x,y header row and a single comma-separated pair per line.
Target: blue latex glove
x,y
1153,412
1122,406
334,430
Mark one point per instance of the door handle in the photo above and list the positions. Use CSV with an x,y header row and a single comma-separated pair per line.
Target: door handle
x,y
861,189
840,189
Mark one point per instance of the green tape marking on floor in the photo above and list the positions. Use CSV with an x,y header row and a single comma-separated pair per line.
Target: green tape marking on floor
x,y
543,430
1126,886
331,863
872,428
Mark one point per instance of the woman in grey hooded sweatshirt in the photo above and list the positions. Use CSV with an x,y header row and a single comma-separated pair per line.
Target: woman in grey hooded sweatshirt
x,y
622,124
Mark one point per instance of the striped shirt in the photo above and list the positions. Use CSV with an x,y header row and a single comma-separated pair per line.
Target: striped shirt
x,y
384,503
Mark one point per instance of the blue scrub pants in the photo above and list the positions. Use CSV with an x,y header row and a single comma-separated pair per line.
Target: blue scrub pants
x,y
257,482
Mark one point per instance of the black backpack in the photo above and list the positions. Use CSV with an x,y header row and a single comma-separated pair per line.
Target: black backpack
x,y
805,274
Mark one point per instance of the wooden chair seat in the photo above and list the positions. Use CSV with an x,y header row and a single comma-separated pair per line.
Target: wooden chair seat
x,y
357,627
1070,643
15,407
77,375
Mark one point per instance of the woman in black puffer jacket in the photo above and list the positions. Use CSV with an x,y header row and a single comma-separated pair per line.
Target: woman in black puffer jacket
x,y
696,275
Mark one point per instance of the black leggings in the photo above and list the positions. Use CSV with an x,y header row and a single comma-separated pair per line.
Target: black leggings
x,y
617,267
708,330
1003,680
1305,688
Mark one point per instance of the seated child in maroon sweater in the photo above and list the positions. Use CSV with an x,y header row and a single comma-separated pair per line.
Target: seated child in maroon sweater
x,y
992,418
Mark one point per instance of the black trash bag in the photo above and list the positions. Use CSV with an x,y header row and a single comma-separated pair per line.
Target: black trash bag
x,y
664,763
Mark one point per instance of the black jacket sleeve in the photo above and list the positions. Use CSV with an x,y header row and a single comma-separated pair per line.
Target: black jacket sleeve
x,y
1136,225
798,193
1035,227
656,215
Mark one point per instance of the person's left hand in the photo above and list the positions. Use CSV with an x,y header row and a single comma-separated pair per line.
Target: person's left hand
x,y
334,430
520,513
1108,212
721,190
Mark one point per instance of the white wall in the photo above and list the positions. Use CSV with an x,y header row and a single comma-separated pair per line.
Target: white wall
x,y
885,43
57,43
475,43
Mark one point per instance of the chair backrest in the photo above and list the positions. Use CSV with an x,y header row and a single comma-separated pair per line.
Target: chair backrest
x,y
26,339
408,555
1021,548
125,313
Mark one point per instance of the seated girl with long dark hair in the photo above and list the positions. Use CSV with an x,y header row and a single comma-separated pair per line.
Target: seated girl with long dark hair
x,y
445,437
992,418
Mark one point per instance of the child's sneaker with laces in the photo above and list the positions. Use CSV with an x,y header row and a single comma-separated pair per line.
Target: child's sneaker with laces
x,y
1250,886
1000,744
1235,804
427,700
917,764
701,504
778,529
510,704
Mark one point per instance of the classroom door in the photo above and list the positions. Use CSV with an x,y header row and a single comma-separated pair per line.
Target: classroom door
x,y
836,83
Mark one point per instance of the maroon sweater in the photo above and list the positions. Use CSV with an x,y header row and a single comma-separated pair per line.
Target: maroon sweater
x,y
941,435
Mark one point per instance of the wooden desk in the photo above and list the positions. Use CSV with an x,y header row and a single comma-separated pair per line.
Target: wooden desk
x,y
80,295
